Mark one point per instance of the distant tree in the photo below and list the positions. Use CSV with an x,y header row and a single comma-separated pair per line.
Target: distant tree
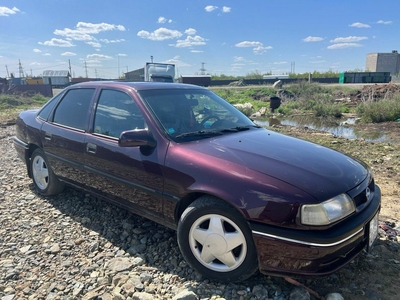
x,y
254,75
316,74
223,77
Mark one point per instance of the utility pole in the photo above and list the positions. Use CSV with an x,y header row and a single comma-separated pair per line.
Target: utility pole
x,y
118,67
21,70
70,70
8,75
86,70
202,70
292,67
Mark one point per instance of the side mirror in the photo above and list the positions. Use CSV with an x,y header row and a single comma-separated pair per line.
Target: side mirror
x,y
136,138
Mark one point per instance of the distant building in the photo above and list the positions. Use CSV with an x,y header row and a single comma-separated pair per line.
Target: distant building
x,y
56,78
383,62
136,75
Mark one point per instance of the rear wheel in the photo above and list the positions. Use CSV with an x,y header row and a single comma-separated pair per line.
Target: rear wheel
x,y
45,181
217,241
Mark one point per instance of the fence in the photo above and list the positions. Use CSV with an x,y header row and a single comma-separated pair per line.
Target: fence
x,y
27,89
271,81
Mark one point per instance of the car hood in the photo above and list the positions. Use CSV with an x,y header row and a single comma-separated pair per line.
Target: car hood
x,y
317,170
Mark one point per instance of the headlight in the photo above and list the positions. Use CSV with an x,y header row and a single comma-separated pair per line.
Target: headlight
x,y
327,212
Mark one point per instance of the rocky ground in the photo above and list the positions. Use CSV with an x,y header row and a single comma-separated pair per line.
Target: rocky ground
x,y
74,246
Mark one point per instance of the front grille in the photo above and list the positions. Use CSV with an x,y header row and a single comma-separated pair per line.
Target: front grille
x,y
361,198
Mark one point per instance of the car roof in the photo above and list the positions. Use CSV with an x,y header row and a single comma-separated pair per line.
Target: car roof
x,y
138,85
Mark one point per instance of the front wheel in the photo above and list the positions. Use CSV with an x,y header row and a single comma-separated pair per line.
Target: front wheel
x,y
45,181
217,241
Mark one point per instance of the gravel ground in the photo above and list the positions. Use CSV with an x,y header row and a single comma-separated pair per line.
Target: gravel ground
x,y
74,246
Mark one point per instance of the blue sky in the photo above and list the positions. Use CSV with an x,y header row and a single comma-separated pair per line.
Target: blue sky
x,y
229,37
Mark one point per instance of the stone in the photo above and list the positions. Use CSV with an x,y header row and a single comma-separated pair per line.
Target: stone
x,y
119,264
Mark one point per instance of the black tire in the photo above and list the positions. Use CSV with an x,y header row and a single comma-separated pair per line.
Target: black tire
x,y
210,222
45,181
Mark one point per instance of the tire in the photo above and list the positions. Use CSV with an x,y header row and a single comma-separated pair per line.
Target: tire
x,y
216,241
45,181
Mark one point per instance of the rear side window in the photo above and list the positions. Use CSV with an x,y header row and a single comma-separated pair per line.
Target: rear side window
x,y
73,110
48,107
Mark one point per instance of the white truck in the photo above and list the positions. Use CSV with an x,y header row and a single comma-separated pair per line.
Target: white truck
x,y
159,72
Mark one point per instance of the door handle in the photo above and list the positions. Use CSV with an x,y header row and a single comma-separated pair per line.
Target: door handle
x,y
48,136
91,148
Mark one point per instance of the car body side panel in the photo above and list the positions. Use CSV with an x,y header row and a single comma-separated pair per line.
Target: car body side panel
x,y
64,148
125,173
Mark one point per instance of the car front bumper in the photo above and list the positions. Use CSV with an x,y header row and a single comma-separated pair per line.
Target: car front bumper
x,y
291,252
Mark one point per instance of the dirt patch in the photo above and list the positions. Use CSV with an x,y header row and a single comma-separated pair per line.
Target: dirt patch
x,y
375,92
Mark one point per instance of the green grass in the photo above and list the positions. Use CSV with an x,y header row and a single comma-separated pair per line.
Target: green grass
x,y
309,98
385,110
12,105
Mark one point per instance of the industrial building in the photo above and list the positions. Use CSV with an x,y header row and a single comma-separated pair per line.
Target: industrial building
x,y
56,78
383,62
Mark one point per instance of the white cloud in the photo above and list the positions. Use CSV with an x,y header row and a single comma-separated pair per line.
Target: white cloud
x,y
163,20
248,44
384,22
344,46
190,41
359,25
280,62
210,8
349,39
160,34
177,62
238,58
94,44
261,49
122,54
37,50
47,54
190,31
68,54
74,34
313,39
57,43
226,9
196,51
97,28
316,61
35,64
98,57
258,47
5,11
107,41
85,31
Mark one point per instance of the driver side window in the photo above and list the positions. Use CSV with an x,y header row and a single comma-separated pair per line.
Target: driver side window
x,y
116,112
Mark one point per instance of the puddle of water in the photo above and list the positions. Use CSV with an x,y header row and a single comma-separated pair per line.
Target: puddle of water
x,y
336,127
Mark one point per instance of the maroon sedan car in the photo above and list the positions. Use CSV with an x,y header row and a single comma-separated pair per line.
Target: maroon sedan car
x,y
241,197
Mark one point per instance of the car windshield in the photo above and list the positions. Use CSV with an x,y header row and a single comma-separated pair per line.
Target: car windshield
x,y
187,114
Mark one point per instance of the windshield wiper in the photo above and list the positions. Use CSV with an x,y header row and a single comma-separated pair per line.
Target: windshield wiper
x,y
199,133
239,128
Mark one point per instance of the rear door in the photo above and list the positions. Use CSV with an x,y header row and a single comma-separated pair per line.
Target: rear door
x,y
64,134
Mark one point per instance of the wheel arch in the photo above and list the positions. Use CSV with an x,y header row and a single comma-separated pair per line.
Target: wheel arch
x,y
189,198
